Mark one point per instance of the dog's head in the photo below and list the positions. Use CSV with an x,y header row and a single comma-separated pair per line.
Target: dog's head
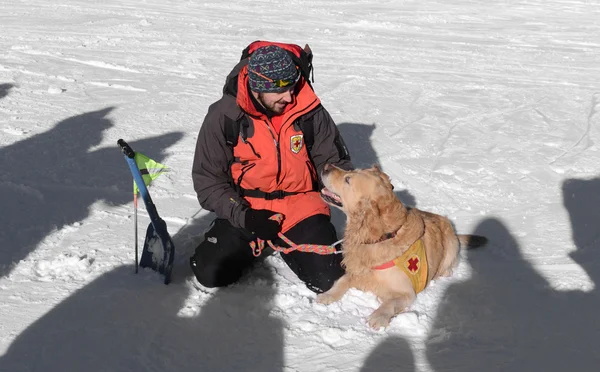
x,y
350,190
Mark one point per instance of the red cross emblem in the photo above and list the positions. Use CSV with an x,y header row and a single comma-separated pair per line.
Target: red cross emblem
x,y
413,264
296,143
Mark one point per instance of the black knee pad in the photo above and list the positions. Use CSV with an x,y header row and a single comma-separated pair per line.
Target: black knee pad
x,y
322,282
203,276
223,256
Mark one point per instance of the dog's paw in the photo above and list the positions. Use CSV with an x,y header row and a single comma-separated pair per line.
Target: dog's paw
x,y
326,298
379,320
447,273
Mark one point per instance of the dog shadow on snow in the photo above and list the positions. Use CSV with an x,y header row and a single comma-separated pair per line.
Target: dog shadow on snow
x,y
506,317
127,322
51,179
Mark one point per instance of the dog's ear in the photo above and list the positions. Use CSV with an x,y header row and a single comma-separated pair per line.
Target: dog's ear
x,y
386,180
368,206
374,205
371,220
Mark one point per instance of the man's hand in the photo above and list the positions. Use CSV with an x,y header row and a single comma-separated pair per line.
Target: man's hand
x,y
259,223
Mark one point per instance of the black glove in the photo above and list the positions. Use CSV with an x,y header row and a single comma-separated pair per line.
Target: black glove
x,y
258,222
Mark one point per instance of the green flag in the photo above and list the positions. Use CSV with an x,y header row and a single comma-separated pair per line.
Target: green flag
x,y
149,168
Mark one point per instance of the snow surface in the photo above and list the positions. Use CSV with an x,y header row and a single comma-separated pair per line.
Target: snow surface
x,y
487,112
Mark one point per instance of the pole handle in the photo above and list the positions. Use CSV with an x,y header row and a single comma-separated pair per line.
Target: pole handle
x,y
126,149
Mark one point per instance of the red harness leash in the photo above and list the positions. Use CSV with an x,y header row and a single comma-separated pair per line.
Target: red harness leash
x,y
384,266
259,245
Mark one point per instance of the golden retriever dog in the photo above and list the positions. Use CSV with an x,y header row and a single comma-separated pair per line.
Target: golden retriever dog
x,y
389,250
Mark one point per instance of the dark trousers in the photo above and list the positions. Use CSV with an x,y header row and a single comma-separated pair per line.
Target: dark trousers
x,y
225,254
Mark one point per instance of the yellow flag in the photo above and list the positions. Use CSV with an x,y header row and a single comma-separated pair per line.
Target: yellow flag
x,y
149,169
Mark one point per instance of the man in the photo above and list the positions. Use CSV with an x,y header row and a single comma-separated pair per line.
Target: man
x,y
269,171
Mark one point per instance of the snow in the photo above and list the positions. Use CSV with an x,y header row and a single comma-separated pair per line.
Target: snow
x,y
485,112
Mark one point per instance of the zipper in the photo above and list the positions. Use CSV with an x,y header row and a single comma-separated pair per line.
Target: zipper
x,y
278,162
276,142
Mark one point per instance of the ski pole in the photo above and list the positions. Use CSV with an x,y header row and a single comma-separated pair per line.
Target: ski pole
x,y
128,151
135,229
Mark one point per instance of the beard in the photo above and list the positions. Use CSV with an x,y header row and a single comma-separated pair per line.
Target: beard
x,y
277,107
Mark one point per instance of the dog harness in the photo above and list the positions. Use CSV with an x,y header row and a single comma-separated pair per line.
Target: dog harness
x,y
414,263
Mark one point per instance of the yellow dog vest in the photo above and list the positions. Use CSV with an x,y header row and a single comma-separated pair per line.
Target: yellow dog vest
x,y
414,263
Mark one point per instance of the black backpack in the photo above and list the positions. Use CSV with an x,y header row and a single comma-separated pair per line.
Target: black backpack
x,y
301,57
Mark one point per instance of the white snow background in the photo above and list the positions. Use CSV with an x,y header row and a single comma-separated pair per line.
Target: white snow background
x,y
487,112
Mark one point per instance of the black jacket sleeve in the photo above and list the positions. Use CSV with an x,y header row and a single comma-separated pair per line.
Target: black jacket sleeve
x,y
210,170
328,146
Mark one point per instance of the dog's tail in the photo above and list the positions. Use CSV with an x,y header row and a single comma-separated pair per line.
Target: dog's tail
x,y
472,241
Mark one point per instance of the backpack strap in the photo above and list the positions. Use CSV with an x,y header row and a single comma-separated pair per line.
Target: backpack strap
x,y
304,61
307,126
234,128
256,193
308,55
231,131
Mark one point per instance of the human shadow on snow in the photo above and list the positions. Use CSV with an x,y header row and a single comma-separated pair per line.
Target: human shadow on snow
x,y
357,137
127,322
506,317
4,89
50,180
581,198
393,353
358,141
